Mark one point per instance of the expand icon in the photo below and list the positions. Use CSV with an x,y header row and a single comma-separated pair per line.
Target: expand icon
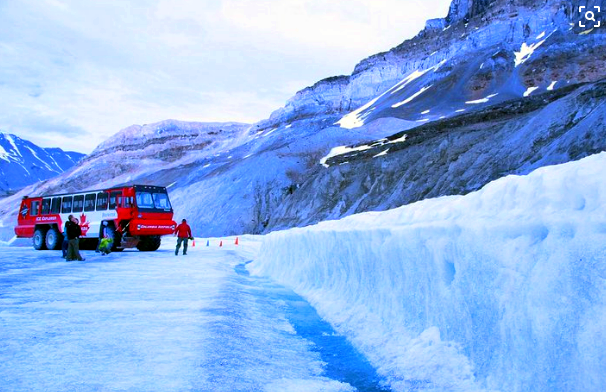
x,y
589,16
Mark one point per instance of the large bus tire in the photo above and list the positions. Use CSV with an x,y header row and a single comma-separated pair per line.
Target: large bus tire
x,y
149,243
39,239
53,239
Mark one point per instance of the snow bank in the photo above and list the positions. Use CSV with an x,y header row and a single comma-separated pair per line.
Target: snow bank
x,y
502,289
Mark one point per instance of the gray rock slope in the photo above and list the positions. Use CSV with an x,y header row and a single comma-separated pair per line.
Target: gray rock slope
x,y
495,88
453,156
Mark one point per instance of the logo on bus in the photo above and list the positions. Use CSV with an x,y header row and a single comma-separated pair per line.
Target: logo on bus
x,y
46,218
84,225
147,227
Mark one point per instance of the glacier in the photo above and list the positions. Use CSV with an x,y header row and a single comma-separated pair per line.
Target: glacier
x,y
503,289
149,321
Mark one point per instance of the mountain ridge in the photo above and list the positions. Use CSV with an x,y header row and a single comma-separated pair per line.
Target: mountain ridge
x,y
505,90
23,163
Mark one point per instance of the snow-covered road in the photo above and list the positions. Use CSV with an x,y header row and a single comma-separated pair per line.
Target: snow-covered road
x,y
155,322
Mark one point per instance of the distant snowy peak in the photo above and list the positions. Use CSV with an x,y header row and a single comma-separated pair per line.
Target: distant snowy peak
x,y
23,163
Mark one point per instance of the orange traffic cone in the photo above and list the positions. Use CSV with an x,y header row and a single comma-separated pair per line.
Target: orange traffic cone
x,y
236,240
220,243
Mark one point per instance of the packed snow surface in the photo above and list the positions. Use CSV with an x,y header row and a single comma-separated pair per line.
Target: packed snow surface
x,y
503,289
152,321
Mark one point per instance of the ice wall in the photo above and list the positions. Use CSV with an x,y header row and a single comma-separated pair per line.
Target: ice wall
x,y
502,289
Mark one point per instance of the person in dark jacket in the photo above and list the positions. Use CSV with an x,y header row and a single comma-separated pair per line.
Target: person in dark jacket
x,y
73,238
183,233
65,242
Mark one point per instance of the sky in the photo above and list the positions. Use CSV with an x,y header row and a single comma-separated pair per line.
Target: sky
x,y
73,73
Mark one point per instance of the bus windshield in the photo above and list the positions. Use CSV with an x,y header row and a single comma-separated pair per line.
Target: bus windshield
x,y
153,201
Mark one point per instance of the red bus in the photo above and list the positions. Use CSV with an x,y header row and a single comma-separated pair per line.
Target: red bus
x,y
138,214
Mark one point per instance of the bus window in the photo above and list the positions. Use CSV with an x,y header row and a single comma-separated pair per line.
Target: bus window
x,y
102,201
46,206
161,201
35,208
56,206
128,201
89,202
78,203
66,205
115,199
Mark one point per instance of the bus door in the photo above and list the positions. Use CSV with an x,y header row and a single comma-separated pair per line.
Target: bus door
x,y
29,211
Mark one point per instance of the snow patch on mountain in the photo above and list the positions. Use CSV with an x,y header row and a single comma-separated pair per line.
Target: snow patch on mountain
x,y
482,100
411,98
357,118
343,150
526,50
530,90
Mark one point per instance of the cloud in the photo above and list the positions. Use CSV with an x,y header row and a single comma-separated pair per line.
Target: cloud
x,y
81,71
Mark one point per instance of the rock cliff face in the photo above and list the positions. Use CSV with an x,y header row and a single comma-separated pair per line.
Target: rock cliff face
x,y
495,88
324,97
141,149
478,29
453,156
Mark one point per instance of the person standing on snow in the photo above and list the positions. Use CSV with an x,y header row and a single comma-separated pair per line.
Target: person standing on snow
x,y
107,239
65,243
73,235
183,233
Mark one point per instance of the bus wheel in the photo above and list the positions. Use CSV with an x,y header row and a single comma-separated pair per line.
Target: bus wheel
x,y
39,239
149,243
53,239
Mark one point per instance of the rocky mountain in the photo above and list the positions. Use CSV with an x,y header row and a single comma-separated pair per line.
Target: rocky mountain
x,y
23,163
143,151
494,88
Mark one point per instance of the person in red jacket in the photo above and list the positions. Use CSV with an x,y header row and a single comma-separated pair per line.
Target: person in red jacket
x,y
183,233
